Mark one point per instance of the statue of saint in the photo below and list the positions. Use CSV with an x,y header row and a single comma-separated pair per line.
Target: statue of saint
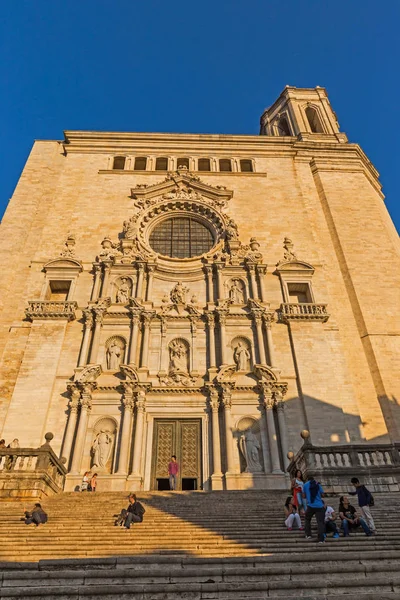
x,y
113,355
250,447
178,358
101,449
178,294
241,356
124,291
236,292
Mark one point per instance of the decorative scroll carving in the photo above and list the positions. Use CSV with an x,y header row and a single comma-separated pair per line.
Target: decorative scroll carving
x,y
89,374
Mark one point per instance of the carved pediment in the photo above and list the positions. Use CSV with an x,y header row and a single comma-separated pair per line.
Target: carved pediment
x,y
295,266
227,374
63,263
89,374
130,373
180,185
264,373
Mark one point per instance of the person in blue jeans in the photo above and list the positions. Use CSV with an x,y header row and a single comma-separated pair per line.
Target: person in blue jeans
x,y
313,493
350,520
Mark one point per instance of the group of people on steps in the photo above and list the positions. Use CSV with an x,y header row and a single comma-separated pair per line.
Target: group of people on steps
x,y
308,499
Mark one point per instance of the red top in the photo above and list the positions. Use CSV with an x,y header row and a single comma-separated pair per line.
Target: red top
x,y
173,468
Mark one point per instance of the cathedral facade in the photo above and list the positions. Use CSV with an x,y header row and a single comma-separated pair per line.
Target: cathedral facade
x,y
204,296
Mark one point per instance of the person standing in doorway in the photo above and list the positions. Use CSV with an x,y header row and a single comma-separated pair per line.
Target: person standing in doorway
x,y
173,469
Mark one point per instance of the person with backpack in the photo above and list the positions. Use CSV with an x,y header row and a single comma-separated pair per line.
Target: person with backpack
x,y
313,493
365,501
135,512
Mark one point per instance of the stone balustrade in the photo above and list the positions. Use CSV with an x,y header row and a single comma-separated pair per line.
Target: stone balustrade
x,y
303,311
31,472
377,465
40,309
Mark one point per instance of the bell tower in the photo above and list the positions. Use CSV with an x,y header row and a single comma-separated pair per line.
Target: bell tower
x,y
305,113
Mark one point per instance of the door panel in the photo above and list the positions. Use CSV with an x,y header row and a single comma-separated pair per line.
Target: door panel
x,y
181,437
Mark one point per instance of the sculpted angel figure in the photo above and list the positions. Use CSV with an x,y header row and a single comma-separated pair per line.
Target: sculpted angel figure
x,y
101,449
178,294
123,291
250,447
241,356
113,355
232,230
178,357
129,227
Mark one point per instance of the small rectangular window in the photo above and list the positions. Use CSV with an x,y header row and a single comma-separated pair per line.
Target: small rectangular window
x,y
299,293
225,164
119,163
204,164
162,164
58,291
183,162
246,166
140,163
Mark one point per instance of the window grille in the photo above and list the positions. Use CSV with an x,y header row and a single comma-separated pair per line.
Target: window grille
x,y
181,237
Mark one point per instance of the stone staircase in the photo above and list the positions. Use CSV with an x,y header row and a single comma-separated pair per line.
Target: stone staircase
x,y
191,545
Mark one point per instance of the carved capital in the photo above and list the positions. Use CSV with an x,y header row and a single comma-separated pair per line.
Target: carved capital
x,y
147,318
140,266
261,269
268,318
96,268
207,269
75,394
269,403
222,314
151,268
128,400
88,317
99,314
265,389
210,319
218,266
257,316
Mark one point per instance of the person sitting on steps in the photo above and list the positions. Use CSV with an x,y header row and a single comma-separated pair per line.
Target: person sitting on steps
x,y
133,514
330,525
291,514
36,516
350,519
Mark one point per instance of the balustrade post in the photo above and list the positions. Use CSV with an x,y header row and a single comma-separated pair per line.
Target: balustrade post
x,y
211,338
86,406
96,283
73,405
128,402
88,320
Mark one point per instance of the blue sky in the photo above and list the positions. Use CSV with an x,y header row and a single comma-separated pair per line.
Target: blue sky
x,y
209,66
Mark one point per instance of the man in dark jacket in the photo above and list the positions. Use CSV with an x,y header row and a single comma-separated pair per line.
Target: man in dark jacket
x,y
37,515
364,501
135,512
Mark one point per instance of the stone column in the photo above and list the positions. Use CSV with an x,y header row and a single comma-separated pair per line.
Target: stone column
x,y
268,320
227,404
164,355
97,281
264,439
147,317
137,446
193,354
222,335
211,338
106,277
210,285
86,406
133,341
128,402
254,290
139,287
88,318
98,318
220,286
273,441
73,416
261,271
260,338
283,437
216,451
150,271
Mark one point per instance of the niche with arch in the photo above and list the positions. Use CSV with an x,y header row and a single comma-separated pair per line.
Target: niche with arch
x,y
249,445
179,356
115,352
103,445
237,290
314,120
242,353
122,291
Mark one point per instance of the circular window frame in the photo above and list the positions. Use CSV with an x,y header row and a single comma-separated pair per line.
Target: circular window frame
x,y
185,215
198,211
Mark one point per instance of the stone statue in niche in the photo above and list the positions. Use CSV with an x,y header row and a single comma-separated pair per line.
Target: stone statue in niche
x,y
114,356
236,293
178,357
101,449
241,356
124,291
178,294
250,447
